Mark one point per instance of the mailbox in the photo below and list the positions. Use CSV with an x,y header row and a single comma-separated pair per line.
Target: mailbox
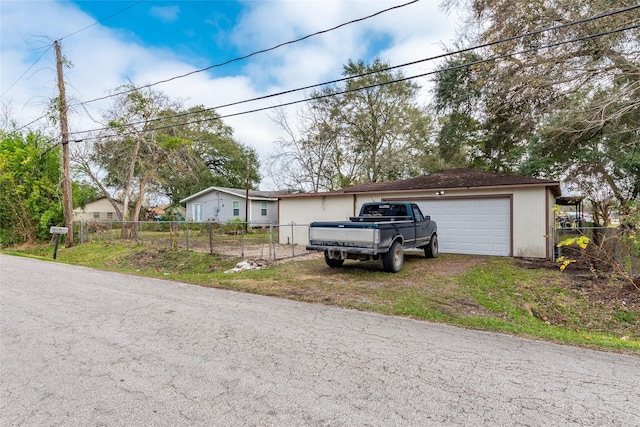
x,y
57,231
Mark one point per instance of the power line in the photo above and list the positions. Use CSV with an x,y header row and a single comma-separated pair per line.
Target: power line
x,y
102,20
67,36
488,44
254,53
32,122
457,52
26,71
468,64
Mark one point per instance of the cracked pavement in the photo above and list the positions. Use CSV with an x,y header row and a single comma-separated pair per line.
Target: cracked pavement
x,y
81,347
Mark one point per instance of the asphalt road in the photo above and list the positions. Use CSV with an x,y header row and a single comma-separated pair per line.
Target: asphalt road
x,y
81,347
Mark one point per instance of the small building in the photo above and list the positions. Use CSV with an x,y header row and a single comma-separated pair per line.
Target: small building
x,y
222,205
477,212
100,209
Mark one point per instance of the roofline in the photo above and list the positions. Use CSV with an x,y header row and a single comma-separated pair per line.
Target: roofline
x,y
553,185
224,190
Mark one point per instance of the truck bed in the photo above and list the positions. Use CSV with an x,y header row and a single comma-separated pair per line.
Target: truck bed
x,y
374,218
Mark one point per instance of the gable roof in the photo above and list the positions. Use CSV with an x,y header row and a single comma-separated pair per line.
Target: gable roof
x,y
238,192
461,178
101,198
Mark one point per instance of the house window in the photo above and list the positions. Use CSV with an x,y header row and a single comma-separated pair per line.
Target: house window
x,y
96,215
197,212
236,208
109,215
263,209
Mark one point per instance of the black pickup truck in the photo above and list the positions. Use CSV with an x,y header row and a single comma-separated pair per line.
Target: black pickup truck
x,y
382,231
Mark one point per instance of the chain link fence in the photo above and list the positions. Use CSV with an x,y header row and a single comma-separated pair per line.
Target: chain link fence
x,y
237,239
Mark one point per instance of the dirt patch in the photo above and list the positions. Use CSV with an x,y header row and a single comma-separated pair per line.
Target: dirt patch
x,y
175,261
455,266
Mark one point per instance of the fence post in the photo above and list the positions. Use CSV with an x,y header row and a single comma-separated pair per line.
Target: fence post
x,y
242,233
210,238
186,232
293,247
271,240
110,231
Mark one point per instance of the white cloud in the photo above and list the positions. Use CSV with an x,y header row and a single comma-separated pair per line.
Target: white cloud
x,y
104,59
165,13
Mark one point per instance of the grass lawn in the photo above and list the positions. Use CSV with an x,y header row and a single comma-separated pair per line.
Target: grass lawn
x,y
490,293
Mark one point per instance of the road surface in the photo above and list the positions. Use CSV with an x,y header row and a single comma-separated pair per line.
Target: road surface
x,y
81,347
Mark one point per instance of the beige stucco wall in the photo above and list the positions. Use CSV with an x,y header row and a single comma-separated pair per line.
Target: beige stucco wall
x,y
530,223
530,207
295,214
102,206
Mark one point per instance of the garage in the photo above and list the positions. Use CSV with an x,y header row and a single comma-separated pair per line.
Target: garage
x,y
472,226
477,212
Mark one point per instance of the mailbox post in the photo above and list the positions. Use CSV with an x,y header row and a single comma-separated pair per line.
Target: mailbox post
x,y
57,231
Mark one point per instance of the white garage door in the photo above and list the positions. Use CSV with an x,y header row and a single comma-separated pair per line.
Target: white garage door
x,y
472,226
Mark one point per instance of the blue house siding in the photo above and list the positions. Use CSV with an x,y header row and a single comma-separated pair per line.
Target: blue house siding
x,y
216,204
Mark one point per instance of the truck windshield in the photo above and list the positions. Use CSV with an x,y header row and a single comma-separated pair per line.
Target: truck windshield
x,y
384,210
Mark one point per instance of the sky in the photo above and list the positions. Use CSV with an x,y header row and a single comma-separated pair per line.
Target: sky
x,y
111,43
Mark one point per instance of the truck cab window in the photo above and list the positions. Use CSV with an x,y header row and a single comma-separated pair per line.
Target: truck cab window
x,y
417,213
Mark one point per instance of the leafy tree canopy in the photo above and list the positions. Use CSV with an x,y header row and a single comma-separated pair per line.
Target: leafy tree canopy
x,y
562,103
153,145
31,198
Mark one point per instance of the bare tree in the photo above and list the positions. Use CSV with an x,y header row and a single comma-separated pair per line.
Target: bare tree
x,y
370,129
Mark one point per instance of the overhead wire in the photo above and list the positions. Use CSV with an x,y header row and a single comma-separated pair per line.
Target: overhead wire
x,y
32,122
26,71
440,56
600,16
222,63
67,36
253,53
459,66
101,20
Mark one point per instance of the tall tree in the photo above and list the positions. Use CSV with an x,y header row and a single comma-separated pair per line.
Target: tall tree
x,y
132,148
368,129
212,157
573,107
152,145
30,196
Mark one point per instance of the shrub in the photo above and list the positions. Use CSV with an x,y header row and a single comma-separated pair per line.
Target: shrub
x,y
616,253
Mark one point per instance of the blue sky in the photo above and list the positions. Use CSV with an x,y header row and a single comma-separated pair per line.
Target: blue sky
x,y
198,32
156,40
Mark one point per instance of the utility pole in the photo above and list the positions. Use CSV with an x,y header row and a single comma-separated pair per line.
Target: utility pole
x,y
246,204
64,128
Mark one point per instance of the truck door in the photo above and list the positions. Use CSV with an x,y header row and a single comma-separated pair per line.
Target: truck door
x,y
422,226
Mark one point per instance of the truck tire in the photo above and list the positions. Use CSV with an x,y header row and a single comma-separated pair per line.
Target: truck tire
x,y
392,261
333,263
431,250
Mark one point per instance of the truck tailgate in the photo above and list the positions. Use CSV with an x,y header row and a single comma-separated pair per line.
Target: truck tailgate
x,y
344,236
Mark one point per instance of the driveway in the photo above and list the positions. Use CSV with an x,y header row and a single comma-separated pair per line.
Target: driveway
x,y
81,347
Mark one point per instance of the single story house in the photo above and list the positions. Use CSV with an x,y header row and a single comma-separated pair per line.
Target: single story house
x,y
221,205
477,212
100,209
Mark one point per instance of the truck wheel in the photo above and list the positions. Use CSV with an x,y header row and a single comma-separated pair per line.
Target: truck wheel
x,y
431,250
392,261
333,263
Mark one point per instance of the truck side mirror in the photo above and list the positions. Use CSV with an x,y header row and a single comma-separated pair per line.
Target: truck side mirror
x,y
427,217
